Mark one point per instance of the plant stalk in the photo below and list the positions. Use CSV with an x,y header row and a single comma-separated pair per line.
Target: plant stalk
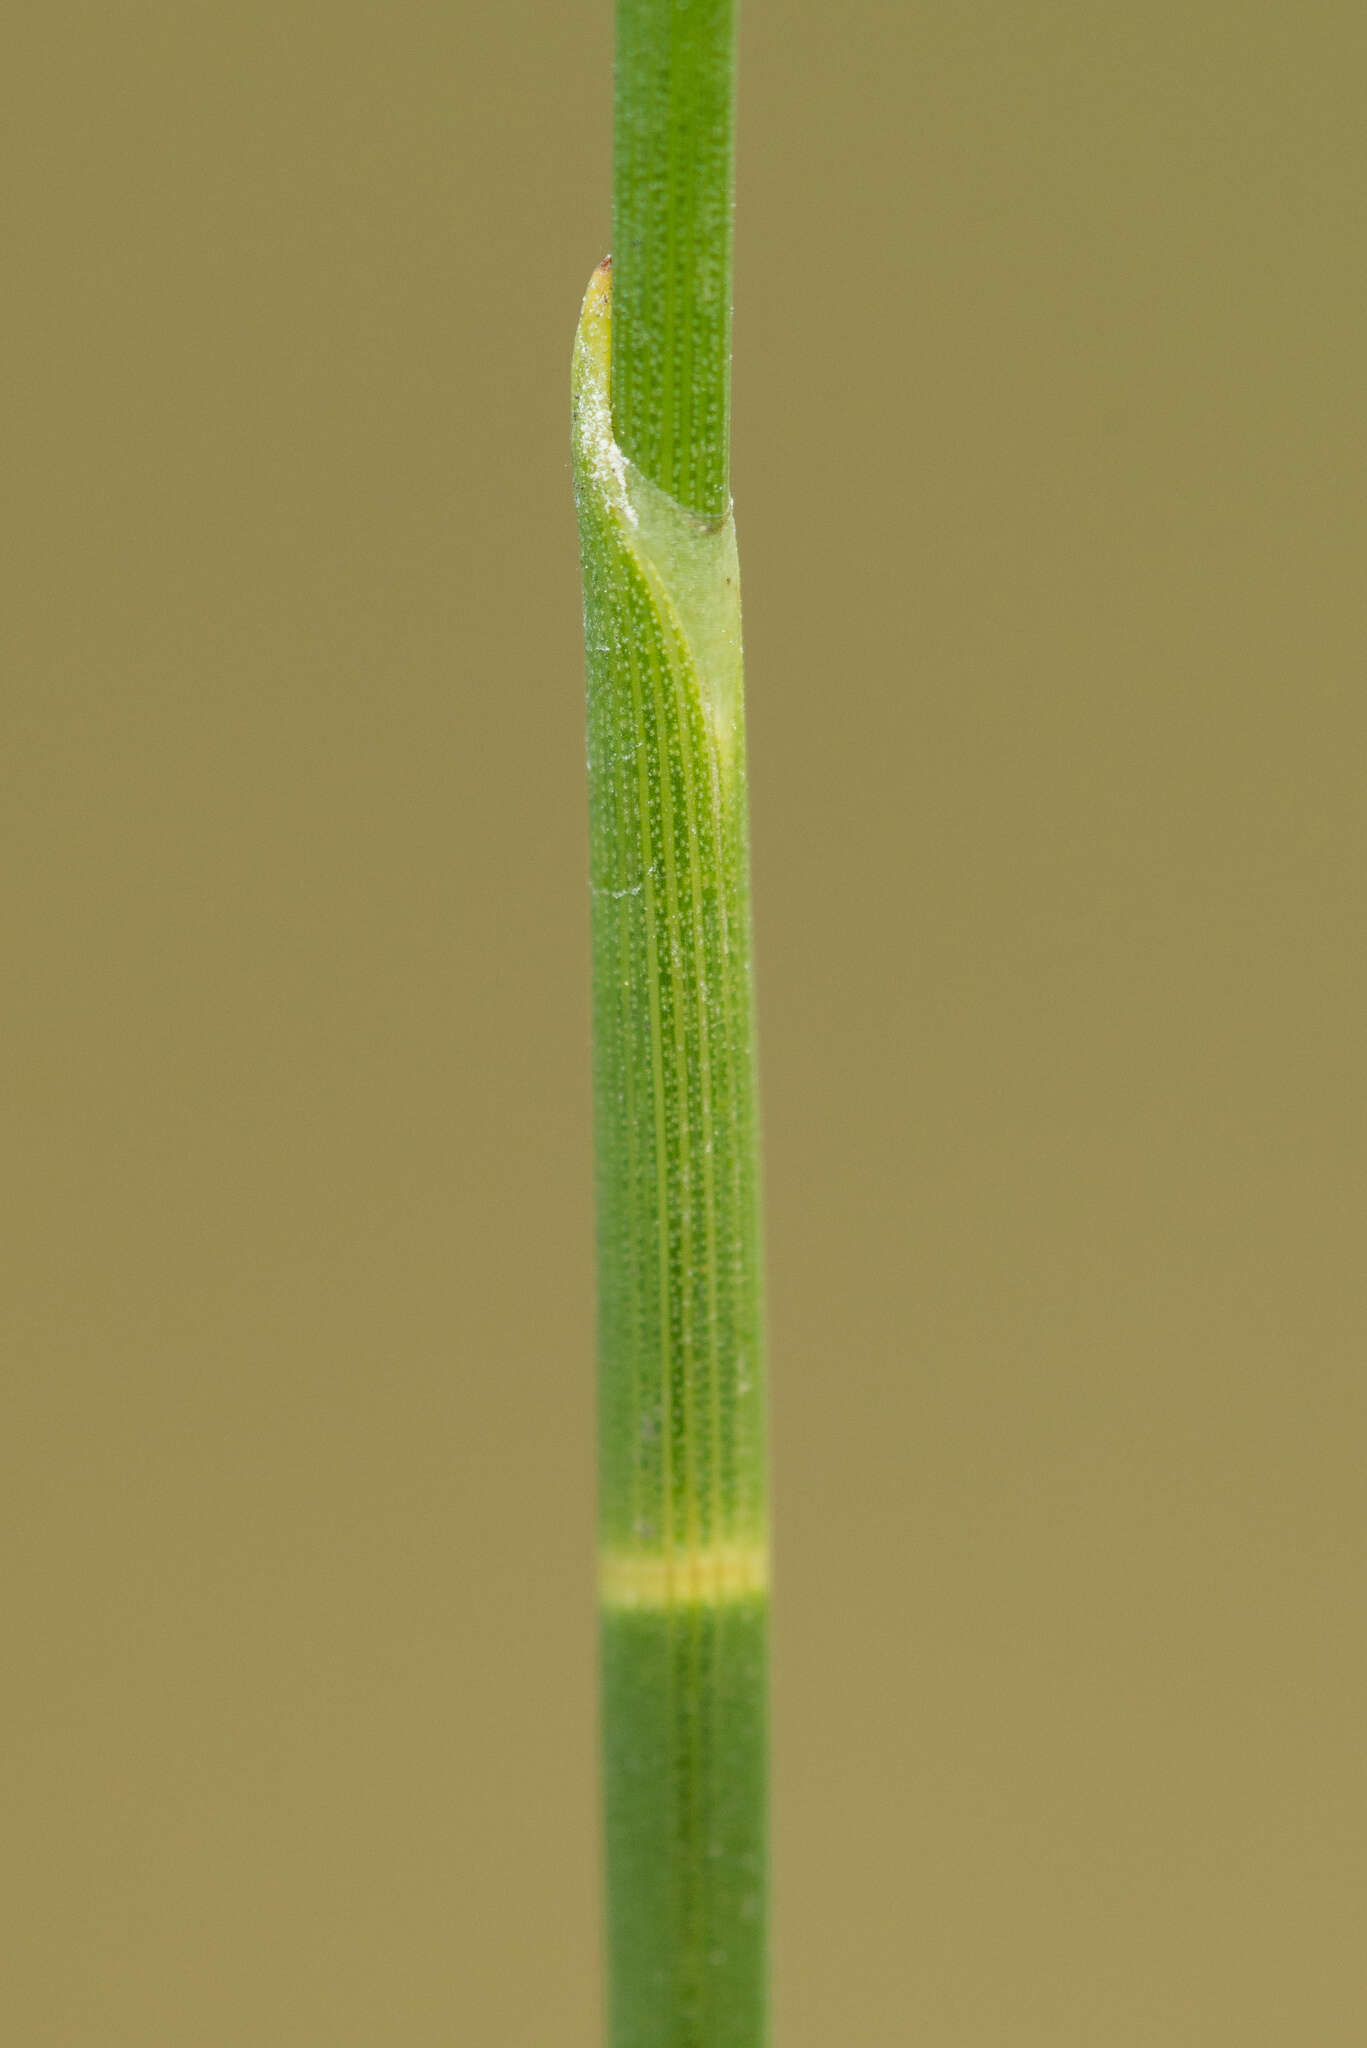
x,y
673,197
683,1526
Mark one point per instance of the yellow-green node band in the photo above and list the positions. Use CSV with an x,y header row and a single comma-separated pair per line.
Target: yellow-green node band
x,y
692,1578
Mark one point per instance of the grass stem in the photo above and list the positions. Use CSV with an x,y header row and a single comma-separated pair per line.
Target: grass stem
x,y
683,1526
672,200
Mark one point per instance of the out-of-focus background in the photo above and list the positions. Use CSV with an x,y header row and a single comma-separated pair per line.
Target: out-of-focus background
x,y
1051,464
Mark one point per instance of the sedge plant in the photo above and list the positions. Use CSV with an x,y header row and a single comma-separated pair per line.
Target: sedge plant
x,y
683,1528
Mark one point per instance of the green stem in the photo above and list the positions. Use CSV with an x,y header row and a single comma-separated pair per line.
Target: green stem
x,y
672,197
683,1566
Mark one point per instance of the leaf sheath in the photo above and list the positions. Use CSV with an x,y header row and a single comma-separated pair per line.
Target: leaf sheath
x,y
683,1519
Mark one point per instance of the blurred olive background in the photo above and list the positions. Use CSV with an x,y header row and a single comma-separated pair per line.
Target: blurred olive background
x,y
1051,460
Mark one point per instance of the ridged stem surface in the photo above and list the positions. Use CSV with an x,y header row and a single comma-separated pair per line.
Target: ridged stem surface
x,y
672,200
683,1575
